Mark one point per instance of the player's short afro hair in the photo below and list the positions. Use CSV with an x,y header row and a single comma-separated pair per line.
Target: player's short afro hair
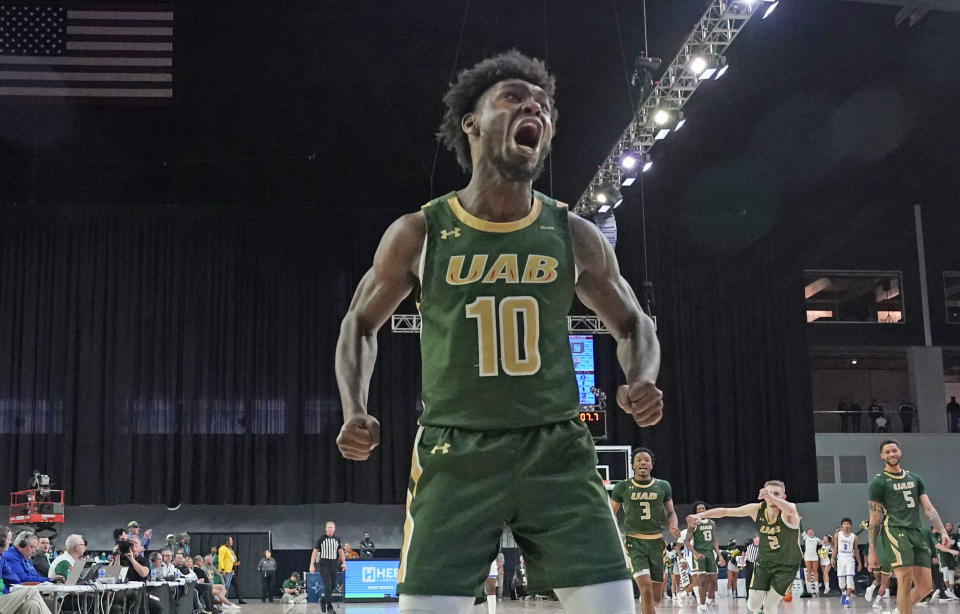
x,y
471,83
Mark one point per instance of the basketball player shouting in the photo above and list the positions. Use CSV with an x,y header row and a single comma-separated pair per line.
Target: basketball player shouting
x,y
498,265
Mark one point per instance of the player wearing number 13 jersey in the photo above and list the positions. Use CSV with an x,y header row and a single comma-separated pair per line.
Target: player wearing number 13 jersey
x,y
500,440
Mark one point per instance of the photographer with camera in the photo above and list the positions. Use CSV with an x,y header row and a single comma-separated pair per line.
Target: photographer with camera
x,y
293,591
130,554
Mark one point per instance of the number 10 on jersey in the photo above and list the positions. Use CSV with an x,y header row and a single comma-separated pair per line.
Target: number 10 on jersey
x,y
503,322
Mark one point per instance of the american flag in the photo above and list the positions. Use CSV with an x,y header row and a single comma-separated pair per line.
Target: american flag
x,y
86,51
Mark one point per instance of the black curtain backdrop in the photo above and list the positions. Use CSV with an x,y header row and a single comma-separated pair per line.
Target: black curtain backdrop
x,y
249,548
185,355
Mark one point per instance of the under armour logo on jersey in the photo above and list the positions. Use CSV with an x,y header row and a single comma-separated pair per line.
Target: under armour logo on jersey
x,y
455,233
444,448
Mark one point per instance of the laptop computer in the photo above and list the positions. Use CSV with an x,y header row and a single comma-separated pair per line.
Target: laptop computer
x,y
83,571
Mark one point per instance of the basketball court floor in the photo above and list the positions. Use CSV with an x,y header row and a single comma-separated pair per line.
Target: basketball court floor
x,y
829,604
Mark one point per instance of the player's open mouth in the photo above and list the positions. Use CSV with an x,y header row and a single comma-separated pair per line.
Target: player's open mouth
x,y
527,136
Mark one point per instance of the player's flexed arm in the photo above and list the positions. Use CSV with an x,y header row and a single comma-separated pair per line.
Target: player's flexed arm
x,y
383,287
601,288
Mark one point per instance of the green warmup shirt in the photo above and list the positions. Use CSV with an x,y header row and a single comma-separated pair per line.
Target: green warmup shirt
x,y
494,302
288,583
703,535
900,496
779,544
644,510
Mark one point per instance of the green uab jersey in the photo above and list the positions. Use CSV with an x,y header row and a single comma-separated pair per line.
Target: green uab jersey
x,y
494,302
900,496
644,505
703,535
779,544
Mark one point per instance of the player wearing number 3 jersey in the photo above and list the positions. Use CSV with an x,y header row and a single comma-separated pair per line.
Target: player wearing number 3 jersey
x,y
500,440
778,555
647,504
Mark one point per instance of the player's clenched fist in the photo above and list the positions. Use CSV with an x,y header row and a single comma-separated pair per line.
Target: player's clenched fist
x,y
358,437
643,401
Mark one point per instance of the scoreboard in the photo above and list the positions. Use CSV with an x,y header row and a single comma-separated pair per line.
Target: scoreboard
x,y
581,349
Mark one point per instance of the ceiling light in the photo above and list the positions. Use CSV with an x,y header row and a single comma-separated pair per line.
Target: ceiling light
x,y
662,134
722,71
697,65
707,73
628,161
661,117
770,9
603,209
680,124
600,197
647,166
628,182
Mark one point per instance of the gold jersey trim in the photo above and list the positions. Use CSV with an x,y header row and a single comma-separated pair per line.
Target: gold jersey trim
x,y
487,226
645,535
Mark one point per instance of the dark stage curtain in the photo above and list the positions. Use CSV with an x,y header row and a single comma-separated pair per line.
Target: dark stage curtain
x,y
168,355
734,370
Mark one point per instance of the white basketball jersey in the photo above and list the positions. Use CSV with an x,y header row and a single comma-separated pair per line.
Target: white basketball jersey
x,y
493,570
845,545
810,545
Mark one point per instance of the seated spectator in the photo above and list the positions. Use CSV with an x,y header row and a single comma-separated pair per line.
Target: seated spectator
x,y
349,553
17,567
41,560
190,573
75,548
133,528
170,542
183,545
25,600
291,590
215,578
367,548
156,564
166,568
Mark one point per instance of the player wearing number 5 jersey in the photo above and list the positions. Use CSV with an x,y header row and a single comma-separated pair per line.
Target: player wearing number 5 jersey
x,y
500,440
778,555
895,536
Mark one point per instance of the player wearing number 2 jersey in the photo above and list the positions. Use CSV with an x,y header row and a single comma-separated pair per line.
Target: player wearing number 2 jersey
x,y
896,498
778,555
500,440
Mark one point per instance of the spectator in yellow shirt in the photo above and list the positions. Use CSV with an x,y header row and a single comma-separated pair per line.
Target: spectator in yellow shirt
x,y
226,562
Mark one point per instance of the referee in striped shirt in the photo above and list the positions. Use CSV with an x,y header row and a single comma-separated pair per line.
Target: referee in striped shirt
x,y
327,558
751,557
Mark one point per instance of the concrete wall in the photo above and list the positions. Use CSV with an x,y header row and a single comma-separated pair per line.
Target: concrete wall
x,y
935,457
292,526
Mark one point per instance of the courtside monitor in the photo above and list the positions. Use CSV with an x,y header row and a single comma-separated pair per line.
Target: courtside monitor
x,y
371,580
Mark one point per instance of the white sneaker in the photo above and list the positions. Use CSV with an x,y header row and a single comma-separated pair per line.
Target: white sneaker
x,y
826,589
702,607
877,603
868,595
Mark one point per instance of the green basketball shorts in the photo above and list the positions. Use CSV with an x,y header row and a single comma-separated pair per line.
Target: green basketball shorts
x,y
773,576
646,556
899,547
708,564
541,481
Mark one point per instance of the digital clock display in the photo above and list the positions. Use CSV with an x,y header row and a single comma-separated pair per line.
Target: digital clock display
x,y
596,421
